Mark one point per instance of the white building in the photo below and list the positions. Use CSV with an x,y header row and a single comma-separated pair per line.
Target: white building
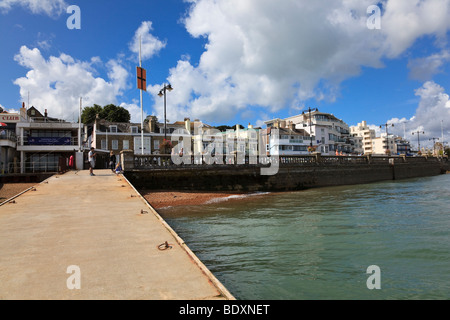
x,y
45,144
8,141
363,131
327,134
393,145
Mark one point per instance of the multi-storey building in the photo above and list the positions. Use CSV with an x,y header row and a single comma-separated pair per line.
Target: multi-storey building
x,y
327,134
45,144
8,141
393,145
362,130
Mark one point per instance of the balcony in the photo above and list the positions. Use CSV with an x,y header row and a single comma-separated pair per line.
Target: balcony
x,y
8,139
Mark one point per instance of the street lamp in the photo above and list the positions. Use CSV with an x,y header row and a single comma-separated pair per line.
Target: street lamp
x,y
310,124
418,136
161,93
386,125
434,143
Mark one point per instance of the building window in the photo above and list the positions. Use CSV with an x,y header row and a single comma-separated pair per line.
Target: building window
x,y
156,144
134,129
113,129
115,144
126,144
103,145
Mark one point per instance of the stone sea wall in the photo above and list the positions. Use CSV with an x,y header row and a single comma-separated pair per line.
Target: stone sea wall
x,y
290,176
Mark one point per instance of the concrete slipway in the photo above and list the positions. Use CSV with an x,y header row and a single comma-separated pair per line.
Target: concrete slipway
x,y
102,226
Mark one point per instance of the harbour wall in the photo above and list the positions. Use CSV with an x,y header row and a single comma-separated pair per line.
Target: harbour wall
x,y
290,176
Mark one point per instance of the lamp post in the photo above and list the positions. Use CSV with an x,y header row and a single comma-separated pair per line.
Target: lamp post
x,y
434,144
161,93
310,124
386,125
418,137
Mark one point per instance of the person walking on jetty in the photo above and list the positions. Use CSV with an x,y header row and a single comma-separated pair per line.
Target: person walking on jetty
x,y
112,161
91,158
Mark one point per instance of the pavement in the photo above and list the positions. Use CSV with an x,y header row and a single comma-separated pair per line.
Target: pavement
x,y
81,237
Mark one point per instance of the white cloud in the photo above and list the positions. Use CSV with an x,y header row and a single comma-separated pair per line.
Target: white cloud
x,y
150,45
135,112
404,21
424,69
52,8
434,106
278,54
56,84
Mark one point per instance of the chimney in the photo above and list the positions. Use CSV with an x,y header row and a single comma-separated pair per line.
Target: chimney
x,y
23,111
187,124
250,126
292,126
152,124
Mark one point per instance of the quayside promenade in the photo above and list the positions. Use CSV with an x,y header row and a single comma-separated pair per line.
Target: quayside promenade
x,y
99,233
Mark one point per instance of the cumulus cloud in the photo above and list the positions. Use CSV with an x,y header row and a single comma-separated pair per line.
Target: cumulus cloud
x,y
52,8
432,115
150,45
57,83
135,111
424,69
277,55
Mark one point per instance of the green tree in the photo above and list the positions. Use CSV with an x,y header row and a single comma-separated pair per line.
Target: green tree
x,y
109,112
90,113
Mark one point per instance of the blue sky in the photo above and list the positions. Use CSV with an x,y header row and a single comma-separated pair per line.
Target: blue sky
x,y
233,61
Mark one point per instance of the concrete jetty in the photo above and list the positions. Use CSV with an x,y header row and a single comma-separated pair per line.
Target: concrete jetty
x,y
81,237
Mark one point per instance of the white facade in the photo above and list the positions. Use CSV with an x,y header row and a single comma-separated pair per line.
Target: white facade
x,y
362,130
42,143
330,135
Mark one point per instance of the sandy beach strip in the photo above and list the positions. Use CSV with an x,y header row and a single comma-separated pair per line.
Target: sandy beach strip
x,y
165,199
9,190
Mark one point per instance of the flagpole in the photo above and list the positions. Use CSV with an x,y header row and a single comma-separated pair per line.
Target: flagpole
x,y
142,110
79,127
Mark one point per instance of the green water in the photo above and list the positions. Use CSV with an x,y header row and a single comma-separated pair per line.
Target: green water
x,y
318,244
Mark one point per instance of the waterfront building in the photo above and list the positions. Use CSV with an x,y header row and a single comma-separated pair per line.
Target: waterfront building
x,y
45,144
393,145
362,130
328,134
8,141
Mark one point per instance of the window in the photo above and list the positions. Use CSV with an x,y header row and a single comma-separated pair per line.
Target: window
x,y
156,144
134,129
113,129
115,144
103,144
126,144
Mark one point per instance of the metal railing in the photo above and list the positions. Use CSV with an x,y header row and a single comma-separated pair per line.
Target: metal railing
x,y
165,161
8,135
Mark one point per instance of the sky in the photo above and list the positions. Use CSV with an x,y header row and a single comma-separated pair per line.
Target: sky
x,y
233,61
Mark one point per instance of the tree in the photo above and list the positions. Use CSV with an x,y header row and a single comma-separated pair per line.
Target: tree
x,y
90,113
109,112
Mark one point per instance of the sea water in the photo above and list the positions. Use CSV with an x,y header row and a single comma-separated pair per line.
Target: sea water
x,y
319,243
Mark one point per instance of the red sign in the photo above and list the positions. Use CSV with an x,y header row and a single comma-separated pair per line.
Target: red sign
x,y
141,79
9,118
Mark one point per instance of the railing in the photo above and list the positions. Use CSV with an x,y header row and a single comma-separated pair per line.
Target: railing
x,y
8,135
165,161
